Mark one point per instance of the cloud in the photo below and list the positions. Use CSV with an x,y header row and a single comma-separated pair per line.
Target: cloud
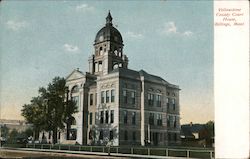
x,y
171,28
134,35
188,33
16,25
70,48
84,7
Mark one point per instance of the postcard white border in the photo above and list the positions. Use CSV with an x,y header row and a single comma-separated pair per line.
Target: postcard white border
x,y
231,84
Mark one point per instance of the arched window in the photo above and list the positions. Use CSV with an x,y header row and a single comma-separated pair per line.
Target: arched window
x,y
72,121
100,50
75,89
115,65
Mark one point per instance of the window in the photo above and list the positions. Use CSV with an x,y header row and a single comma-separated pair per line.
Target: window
x,y
90,118
168,104
168,121
100,66
49,135
90,134
125,96
150,99
159,119
107,96
76,101
158,100
59,135
111,135
125,135
112,116
72,121
100,49
112,95
96,116
96,67
151,118
125,117
175,136
102,116
95,98
91,99
107,117
169,137
133,97
75,89
102,97
134,136
173,102
133,118
101,135
72,134
175,121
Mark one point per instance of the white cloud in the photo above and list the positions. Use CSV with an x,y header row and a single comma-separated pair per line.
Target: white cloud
x,y
84,7
16,25
70,48
171,28
188,33
134,35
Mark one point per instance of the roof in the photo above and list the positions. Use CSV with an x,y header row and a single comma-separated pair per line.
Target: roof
x,y
108,32
188,129
124,72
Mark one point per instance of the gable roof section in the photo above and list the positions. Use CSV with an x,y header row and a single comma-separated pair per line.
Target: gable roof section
x,y
76,74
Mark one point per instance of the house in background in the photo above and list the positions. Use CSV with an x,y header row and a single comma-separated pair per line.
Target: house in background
x,y
195,135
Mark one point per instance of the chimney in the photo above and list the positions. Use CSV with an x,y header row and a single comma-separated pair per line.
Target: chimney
x,y
191,123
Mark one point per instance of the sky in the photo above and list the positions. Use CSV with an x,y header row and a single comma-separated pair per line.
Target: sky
x,y
43,39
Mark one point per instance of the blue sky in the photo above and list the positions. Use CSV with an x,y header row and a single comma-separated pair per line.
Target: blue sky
x,y
43,39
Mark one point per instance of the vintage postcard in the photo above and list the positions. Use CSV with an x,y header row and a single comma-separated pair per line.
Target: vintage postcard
x,y
121,79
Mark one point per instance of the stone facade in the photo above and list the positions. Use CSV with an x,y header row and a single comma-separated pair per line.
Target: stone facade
x,y
118,105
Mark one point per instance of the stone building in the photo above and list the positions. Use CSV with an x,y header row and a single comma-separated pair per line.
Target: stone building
x,y
120,105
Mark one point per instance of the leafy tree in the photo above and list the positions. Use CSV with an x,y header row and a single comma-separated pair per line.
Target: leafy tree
x,y
12,136
34,113
4,131
210,128
50,111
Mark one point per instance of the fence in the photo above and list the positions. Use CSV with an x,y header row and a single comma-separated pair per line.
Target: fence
x,y
146,151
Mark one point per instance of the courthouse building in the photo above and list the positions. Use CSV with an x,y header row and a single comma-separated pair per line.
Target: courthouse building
x,y
120,105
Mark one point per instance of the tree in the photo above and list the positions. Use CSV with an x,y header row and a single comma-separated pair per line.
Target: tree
x,y
34,113
210,128
51,110
4,132
12,136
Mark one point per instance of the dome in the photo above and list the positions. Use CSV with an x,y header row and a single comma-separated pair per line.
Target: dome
x,y
108,32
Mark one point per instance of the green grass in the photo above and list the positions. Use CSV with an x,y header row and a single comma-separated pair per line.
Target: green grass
x,y
14,145
97,149
85,148
157,151
124,150
140,151
175,153
200,154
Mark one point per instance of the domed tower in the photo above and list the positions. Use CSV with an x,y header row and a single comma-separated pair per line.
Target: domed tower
x,y
108,48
